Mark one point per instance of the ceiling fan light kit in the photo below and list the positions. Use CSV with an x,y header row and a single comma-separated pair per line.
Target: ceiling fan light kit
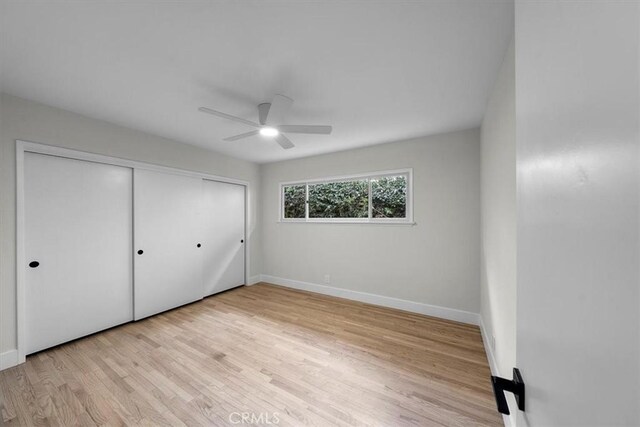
x,y
269,131
271,118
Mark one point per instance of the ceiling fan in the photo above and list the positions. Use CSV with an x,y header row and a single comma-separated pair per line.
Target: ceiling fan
x,y
271,118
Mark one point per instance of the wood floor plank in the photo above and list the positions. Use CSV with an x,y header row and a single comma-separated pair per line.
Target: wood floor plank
x,y
260,351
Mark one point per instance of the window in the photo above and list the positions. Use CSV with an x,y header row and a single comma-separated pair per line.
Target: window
x,y
389,197
342,199
295,199
381,197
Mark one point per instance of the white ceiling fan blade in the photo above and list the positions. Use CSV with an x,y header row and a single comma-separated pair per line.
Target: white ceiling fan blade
x,y
228,116
283,141
321,130
280,106
242,135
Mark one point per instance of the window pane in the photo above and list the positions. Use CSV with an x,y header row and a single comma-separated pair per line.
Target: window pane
x,y
348,199
294,201
389,197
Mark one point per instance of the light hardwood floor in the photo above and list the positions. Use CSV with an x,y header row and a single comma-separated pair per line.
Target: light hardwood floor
x,y
264,351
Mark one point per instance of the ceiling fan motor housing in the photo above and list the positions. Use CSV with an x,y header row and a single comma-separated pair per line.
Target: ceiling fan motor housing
x,y
263,111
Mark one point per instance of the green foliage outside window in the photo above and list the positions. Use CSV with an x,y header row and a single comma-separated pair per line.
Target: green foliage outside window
x,y
389,197
349,199
294,201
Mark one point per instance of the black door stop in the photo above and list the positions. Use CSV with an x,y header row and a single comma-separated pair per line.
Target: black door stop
x,y
515,386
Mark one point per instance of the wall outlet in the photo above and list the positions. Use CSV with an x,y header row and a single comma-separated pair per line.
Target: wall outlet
x,y
327,279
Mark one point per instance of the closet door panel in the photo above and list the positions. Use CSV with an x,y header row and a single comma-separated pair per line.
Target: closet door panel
x,y
223,236
78,229
168,262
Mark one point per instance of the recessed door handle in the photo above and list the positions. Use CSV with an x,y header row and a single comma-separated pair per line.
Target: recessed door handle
x,y
242,241
140,252
198,245
34,264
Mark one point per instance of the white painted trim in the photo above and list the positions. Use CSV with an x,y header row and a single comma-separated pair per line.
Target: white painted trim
x,y
373,174
8,359
20,256
487,348
247,233
414,307
34,147
339,221
254,279
493,365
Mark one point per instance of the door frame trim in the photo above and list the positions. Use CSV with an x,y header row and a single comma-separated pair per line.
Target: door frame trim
x,y
23,147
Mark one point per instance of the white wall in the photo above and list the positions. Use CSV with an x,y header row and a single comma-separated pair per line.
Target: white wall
x,y
435,262
498,190
34,122
577,112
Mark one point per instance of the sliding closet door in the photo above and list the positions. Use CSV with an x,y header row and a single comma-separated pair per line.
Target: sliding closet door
x,y
78,228
168,253
223,236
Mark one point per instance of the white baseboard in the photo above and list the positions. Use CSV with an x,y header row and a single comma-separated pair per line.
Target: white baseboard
x,y
8,359
253,280
509,420
414,307
488,349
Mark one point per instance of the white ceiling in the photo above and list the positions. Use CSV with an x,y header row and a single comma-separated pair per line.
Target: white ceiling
x,y
378,71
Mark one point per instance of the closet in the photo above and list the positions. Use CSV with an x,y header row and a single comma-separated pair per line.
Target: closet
x,y
105,244
78,237
168,260
223,238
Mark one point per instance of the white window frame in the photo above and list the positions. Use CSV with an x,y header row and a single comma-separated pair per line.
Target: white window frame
x,y
408,172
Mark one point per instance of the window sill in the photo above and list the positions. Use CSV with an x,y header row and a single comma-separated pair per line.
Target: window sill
x,y
401,223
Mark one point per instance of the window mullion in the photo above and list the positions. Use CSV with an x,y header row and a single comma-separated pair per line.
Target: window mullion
x,y
370,200
306,201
